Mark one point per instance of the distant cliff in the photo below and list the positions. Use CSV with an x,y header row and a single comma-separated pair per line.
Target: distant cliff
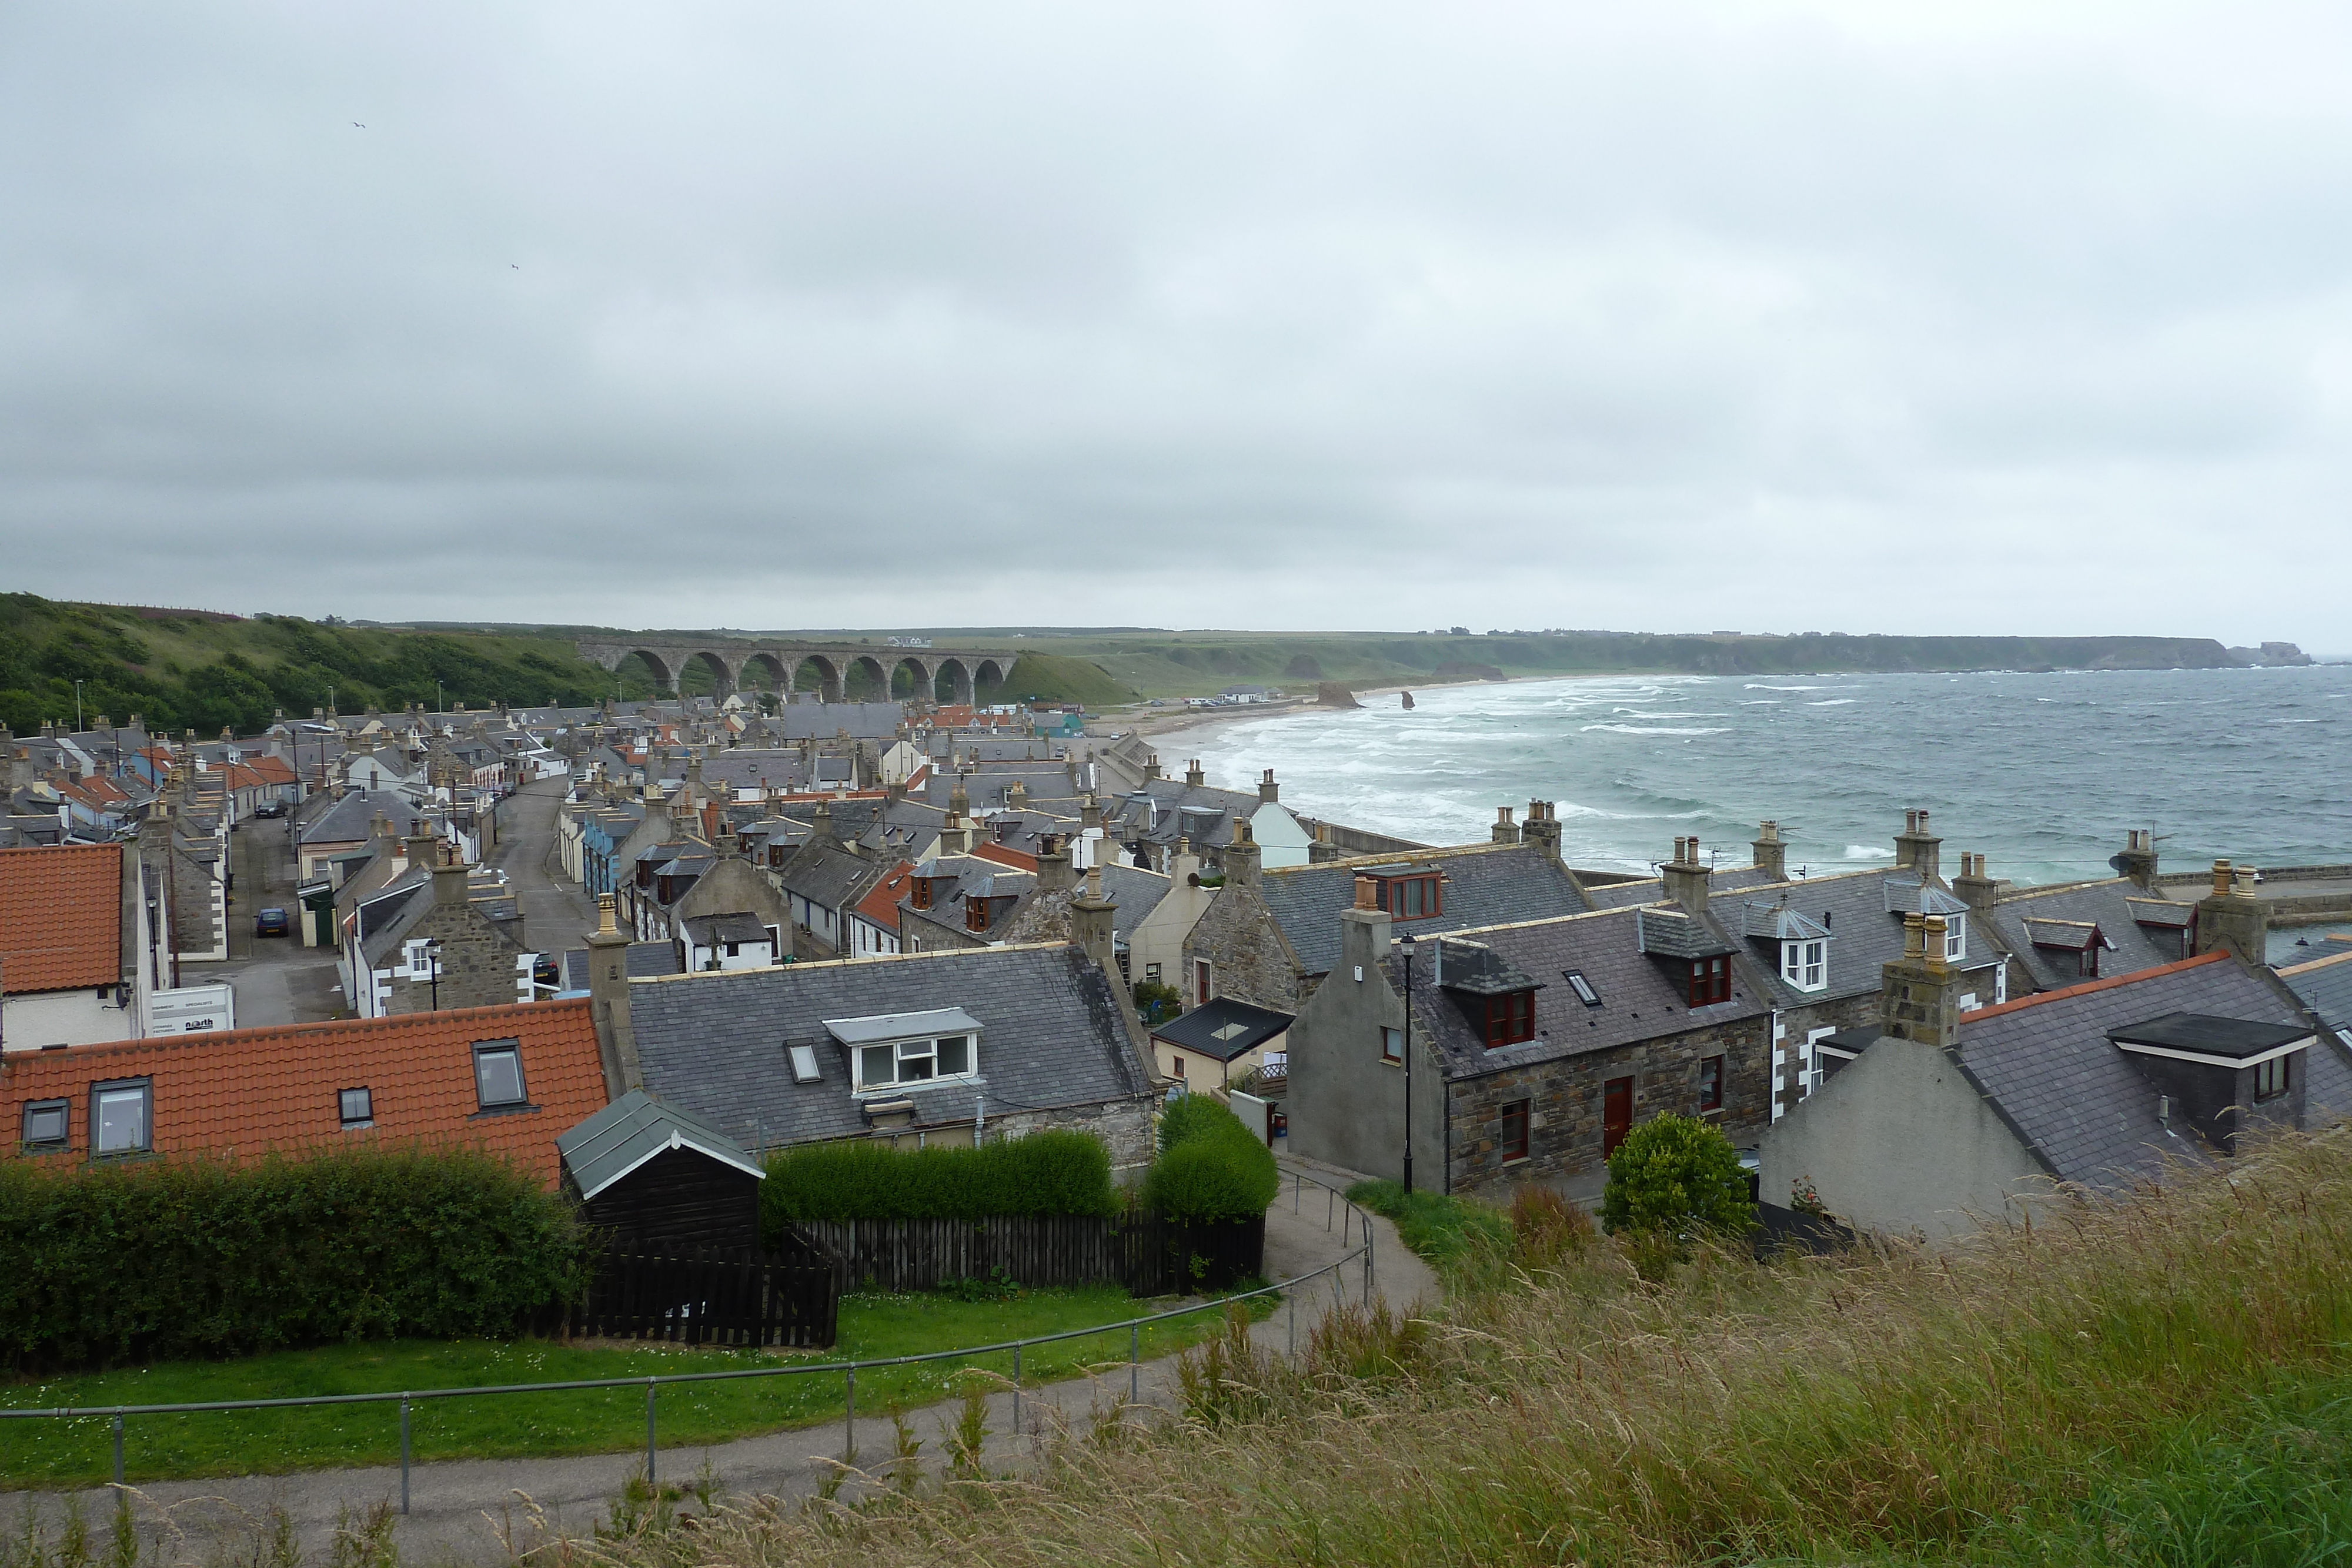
x,y
1193,662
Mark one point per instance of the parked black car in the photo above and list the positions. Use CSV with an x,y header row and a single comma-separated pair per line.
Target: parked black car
x,y
272,923
270,809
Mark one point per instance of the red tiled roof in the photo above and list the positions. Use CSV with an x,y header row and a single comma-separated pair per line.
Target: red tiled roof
x,y
881,906
2215,957
60,918
1003,854
245,1092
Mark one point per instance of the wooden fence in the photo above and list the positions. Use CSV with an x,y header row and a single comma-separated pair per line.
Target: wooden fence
x,y
1146,1253
709,1297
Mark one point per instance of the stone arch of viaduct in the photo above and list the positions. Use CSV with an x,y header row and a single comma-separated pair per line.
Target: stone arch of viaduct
x,y
963,668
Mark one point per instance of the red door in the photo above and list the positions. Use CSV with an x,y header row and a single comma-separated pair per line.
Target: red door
x,y
1616,1114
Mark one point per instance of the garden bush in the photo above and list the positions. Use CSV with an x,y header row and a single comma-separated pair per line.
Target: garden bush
x,y
1674,1174
1210,1166
156,1260
1051,1172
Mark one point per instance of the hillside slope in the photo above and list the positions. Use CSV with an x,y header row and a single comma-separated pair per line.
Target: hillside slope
x,y
180,670
2167,1381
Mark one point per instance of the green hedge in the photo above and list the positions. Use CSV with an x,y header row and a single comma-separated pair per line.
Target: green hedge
x,y
1051,1172
1210,1166
163,1260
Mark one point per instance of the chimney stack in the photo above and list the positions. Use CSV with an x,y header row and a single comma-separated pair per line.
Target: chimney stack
x,y
1192,774
608,1001
1973,886
1268,791
1543,829
1091,921
1054,874
1242,856
1919,993
1504,831
1686,877
1768,853
1917,849
2137,861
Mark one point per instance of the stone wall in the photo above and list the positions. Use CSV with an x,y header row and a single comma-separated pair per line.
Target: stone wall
x,y
478,963
1248,956
1567,1101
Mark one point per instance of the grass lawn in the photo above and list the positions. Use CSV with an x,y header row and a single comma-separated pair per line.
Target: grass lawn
x,y
46,1453
1449,1233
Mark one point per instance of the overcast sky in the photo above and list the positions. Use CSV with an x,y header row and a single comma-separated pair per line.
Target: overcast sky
x,y
1872,317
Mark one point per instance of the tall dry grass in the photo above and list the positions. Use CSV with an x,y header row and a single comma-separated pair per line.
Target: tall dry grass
x,y
1904,1404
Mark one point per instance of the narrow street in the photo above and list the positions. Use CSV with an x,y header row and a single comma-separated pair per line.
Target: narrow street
x,y
556,916
276,979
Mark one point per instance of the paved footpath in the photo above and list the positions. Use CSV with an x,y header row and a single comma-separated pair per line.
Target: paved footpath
x,y
468,1511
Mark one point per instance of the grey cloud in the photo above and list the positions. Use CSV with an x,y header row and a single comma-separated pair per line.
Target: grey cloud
x,y
1309,315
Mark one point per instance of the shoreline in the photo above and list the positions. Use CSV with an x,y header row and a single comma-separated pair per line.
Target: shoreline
x,y
1177,719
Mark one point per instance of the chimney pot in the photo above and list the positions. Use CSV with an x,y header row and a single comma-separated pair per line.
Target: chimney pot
x,y
1366,893
2223,879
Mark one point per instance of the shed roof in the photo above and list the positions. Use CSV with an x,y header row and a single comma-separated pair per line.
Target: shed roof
x,y
1224,1028
633,1129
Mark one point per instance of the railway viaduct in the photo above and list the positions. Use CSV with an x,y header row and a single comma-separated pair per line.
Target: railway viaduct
x,y
940,675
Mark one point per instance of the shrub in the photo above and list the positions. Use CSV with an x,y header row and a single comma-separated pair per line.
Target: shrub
x,y
1546,1228
1674,1174
1211,1167
1157,1001
1051,1172
157,1259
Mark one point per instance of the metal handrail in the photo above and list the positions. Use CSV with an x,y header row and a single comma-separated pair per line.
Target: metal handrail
x,y
652,1382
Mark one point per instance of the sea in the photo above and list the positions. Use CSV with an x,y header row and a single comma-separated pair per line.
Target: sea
x,y
2043,773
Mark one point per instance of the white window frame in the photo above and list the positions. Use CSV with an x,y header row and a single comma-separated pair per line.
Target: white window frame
x,y
915,1047
1805,964
1956,938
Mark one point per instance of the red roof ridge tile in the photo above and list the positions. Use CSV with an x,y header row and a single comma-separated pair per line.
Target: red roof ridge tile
x,y
2215,957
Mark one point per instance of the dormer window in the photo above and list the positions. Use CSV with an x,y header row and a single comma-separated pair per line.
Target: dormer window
x,y
1710,982
1510,1019
1410,897
895,1051
1806,964
1956,938
921,897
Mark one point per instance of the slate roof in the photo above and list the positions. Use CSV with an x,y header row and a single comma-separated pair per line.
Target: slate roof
x,y
60,918
1642,998
715,1044
2325,987
351,818
1224,1028
1485,886
1651,890
243,1093
822,721
824,875
1668,932
643,960
2116,906
632,1130
1865,933
2047,1066
1164,809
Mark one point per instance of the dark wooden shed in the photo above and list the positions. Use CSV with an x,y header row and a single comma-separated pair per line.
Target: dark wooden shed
x,y
662,1180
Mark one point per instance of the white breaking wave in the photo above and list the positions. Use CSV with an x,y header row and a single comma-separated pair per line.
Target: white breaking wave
x,y
1833,702
1651,729
1868,852
1760,686
1628,713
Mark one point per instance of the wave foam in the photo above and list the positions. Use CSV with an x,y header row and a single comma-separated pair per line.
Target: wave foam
x,y
1833,702
1651,729
1868,852
1760,686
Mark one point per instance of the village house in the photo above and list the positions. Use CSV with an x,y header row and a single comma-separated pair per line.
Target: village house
x,y
1535,1045
941,1047
503,1079
82,951
1209,1048
428,943
1949,1118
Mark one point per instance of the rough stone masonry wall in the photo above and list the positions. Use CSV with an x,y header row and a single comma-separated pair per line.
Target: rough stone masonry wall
x,y
1124,1126
1247,958
1568,1100
477,963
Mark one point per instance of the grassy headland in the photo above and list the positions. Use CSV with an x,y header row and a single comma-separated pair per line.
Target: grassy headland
x,y
2163,1381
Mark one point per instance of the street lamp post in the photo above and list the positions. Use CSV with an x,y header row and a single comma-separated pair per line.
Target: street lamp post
x,y
1411,947
433,956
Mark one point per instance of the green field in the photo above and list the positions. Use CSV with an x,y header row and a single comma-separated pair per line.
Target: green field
x,y
46,1453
